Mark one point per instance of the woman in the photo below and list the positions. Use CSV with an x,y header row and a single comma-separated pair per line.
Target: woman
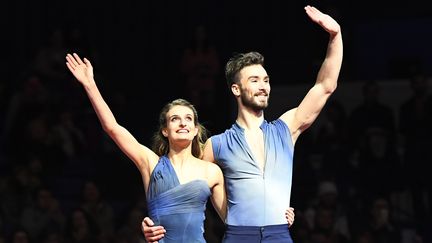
x,y
176,182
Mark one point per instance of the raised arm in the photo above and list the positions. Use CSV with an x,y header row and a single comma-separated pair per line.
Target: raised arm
x,y
301,117
139,154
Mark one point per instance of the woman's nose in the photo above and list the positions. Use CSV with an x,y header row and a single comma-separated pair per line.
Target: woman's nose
x,y
182,122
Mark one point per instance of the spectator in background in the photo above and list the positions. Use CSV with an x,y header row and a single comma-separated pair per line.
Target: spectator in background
x,y
324,229
48,61
68,136
331,142
29,100
15,195
380,164
131,230
380,224
200,68
80,228
19,235
52,236
329,204
100,211
44,214
331,134
370,114
415,122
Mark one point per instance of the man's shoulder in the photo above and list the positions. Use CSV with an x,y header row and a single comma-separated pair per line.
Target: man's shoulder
x,y
276,123
227,131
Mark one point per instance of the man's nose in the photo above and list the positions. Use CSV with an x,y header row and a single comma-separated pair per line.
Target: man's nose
x,y
262,84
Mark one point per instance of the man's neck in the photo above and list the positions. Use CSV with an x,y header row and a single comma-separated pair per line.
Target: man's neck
x,y
250,120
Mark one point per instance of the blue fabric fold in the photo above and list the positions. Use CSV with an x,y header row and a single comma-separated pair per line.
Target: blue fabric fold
x,y
180,208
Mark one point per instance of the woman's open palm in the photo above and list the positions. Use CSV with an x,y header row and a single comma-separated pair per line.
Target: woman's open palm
x,y
82,70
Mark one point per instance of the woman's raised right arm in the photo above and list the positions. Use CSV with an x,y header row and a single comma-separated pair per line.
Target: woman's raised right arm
x,y
143,157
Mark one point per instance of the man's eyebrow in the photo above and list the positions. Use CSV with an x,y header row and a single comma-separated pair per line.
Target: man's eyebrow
x,y
256,76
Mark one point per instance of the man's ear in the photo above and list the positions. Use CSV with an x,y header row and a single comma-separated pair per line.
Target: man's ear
x,y
235,89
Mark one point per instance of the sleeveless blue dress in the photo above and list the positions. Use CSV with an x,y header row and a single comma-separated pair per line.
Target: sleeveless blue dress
x,y
179,208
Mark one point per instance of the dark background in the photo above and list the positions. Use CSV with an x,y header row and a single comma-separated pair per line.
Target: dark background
x,y
136,49
137,45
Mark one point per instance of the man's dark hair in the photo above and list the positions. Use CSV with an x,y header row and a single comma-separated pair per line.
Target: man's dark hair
x,y
238,62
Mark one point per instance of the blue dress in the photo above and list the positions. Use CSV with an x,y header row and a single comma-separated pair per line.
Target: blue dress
x,y
179,208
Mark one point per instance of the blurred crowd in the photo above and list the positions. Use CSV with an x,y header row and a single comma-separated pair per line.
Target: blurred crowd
x,y
360,175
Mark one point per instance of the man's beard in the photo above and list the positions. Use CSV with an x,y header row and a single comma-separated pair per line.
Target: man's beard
x,y
250,102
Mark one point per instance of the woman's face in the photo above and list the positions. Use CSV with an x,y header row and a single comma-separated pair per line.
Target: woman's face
x,y
180,124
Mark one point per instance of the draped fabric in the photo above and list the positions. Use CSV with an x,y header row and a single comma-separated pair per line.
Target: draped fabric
x,y
180,208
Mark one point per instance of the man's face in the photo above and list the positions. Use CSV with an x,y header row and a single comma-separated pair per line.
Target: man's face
x,y
254,87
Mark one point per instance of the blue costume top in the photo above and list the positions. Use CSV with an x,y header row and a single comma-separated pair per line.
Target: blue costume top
x,y
256,198
179,208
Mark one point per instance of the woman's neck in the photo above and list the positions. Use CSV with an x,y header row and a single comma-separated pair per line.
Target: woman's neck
x,y
179,156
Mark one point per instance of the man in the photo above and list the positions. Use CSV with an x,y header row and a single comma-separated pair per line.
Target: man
x,y
255,155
